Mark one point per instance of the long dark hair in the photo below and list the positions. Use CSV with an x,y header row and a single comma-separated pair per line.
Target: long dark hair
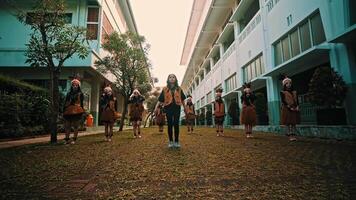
x,y
175,84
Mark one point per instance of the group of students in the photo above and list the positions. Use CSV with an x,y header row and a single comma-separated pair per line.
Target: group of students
x,y
290,116
73,111
169,104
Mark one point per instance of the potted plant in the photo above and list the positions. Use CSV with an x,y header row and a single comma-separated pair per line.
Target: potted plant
x,y
328,91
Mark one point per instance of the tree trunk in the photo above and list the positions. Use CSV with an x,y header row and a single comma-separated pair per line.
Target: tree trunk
x,y
54,96
124,112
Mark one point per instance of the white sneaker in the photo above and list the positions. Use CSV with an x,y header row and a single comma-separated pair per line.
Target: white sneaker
x,y
109,140
176,144
72,142
139,136
170,144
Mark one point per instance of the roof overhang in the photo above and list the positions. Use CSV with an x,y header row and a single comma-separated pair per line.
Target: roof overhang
x,y
301,62
347,36
199,42
298,64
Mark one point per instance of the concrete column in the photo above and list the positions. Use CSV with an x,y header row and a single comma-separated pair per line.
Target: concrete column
x,y
211,63
342,60
94,101
221,50
236,30
273,91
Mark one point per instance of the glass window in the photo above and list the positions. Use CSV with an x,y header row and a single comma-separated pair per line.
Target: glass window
x,y
278,53
92,31
305,36
253,70
245,74
295,43
258,66
92,23
93,14
285,47
317,29
262,65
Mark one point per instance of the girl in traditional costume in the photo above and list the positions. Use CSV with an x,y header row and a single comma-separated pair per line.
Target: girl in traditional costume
x,y
73,110
108,104
248,113
219,113
290,115
160,117
189,114
172,97
136,110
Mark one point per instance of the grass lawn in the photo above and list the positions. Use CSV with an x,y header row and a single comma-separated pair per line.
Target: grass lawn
x,y
206,167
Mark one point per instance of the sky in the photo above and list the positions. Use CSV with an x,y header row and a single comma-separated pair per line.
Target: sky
x,y
164,24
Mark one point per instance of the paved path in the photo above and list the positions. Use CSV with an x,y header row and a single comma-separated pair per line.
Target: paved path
x,y
43,139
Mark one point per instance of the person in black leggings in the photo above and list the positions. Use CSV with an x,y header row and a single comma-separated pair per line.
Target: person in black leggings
x,y
172,97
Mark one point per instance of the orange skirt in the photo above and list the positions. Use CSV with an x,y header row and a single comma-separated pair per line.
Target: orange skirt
x,y
289,117
248,115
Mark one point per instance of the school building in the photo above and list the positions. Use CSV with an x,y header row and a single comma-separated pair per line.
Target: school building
x,y
229,42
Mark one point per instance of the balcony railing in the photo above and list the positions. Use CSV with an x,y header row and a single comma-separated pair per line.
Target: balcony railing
x,y
250,27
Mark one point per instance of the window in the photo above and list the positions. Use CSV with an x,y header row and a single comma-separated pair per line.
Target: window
x,y
92,23
305,36
258,66
285,49
107,28
294,39
254,69
278,53
317,29
231,83
208,97
202,101
299,39
262,65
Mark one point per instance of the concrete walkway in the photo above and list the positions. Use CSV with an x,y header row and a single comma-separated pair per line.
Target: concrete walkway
x,y
46,138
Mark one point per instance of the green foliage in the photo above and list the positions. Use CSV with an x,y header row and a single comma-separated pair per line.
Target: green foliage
x,y
13,85
23,109
52,40
51,43
127,61
327,88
